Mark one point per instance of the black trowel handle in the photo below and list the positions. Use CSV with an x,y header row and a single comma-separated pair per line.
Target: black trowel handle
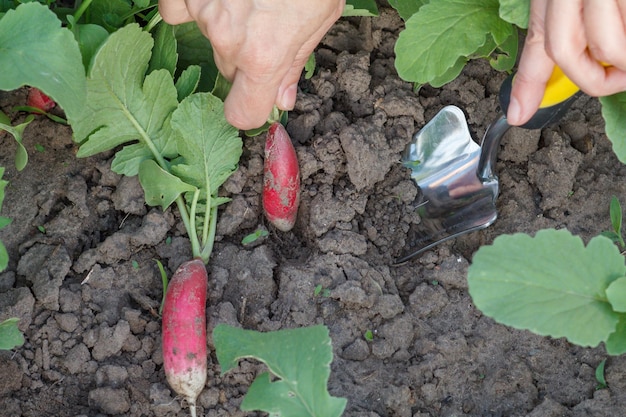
x,y
560,93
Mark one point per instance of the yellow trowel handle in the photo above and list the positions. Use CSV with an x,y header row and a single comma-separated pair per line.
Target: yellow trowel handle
x,y
558,89
559,94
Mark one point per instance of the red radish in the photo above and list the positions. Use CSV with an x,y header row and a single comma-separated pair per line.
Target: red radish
x,y
184,331
281,179
39,100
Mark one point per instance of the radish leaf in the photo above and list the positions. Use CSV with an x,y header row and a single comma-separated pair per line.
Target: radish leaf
x,y
124,107
613,110
550,284
442,31
209,145
41,54
299,358
160,187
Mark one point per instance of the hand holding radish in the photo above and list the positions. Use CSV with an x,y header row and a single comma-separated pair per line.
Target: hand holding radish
x,y
577,36
261,47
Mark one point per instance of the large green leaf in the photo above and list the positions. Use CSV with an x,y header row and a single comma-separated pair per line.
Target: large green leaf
x,y
209,145
442,31
550,284
613,111
35,50
515,11
124,107
195,49
299,358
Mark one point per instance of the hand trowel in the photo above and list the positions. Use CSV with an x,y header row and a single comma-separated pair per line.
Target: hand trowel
x,y
456,178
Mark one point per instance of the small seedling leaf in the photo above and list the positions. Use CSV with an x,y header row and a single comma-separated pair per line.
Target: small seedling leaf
x,y
299,358
615,211
550,284
600,375
10,335
254,236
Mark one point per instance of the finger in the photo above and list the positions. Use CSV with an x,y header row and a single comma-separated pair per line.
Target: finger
x,y
226,67
250,101
534,69
174,12
606,34
567,45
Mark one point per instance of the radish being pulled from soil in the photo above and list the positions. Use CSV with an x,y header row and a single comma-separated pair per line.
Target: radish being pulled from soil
x,y
184,331
38,100
281,179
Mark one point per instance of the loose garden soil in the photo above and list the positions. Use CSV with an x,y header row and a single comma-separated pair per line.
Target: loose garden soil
x,y
84,282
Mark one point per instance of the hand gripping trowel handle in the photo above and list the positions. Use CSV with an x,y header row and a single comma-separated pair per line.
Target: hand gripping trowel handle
x,y
559,94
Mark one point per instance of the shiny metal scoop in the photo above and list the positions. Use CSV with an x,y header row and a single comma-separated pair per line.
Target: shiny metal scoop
x,y
454,200
456,176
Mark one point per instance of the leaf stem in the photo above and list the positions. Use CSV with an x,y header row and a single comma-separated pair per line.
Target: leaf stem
x,y
208,248
153,22
191,230
81,10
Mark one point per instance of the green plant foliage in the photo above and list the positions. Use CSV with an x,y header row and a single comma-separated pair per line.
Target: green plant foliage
x,y
407,8
360,8
299,358
195,49
33,45
10,335
516,12
550,284
600,375
444,34
21,156
613,111
124,105
4,222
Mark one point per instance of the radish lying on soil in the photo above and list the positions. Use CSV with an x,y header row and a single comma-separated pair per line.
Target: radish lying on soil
x,y
184,331
38,100
281,179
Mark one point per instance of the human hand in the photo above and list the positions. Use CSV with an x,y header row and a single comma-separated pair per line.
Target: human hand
x,y
260,46
576,35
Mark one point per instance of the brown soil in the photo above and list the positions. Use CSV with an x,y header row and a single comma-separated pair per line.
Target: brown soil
x,y
88,289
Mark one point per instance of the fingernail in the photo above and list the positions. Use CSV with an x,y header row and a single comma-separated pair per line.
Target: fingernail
x,y
514,111
288,98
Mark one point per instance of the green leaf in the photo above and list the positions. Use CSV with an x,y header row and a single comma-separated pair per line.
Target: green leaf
x,y
441,32
615,211
254,236
407,8
616,294
160,187
550,284
600,375
616,344
195,49
299,358
10,335
21,155
164,54
360,8
516,12
89,37
309,67
613,110
124,107
33,46
187,82
209,145
505,54
109,13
